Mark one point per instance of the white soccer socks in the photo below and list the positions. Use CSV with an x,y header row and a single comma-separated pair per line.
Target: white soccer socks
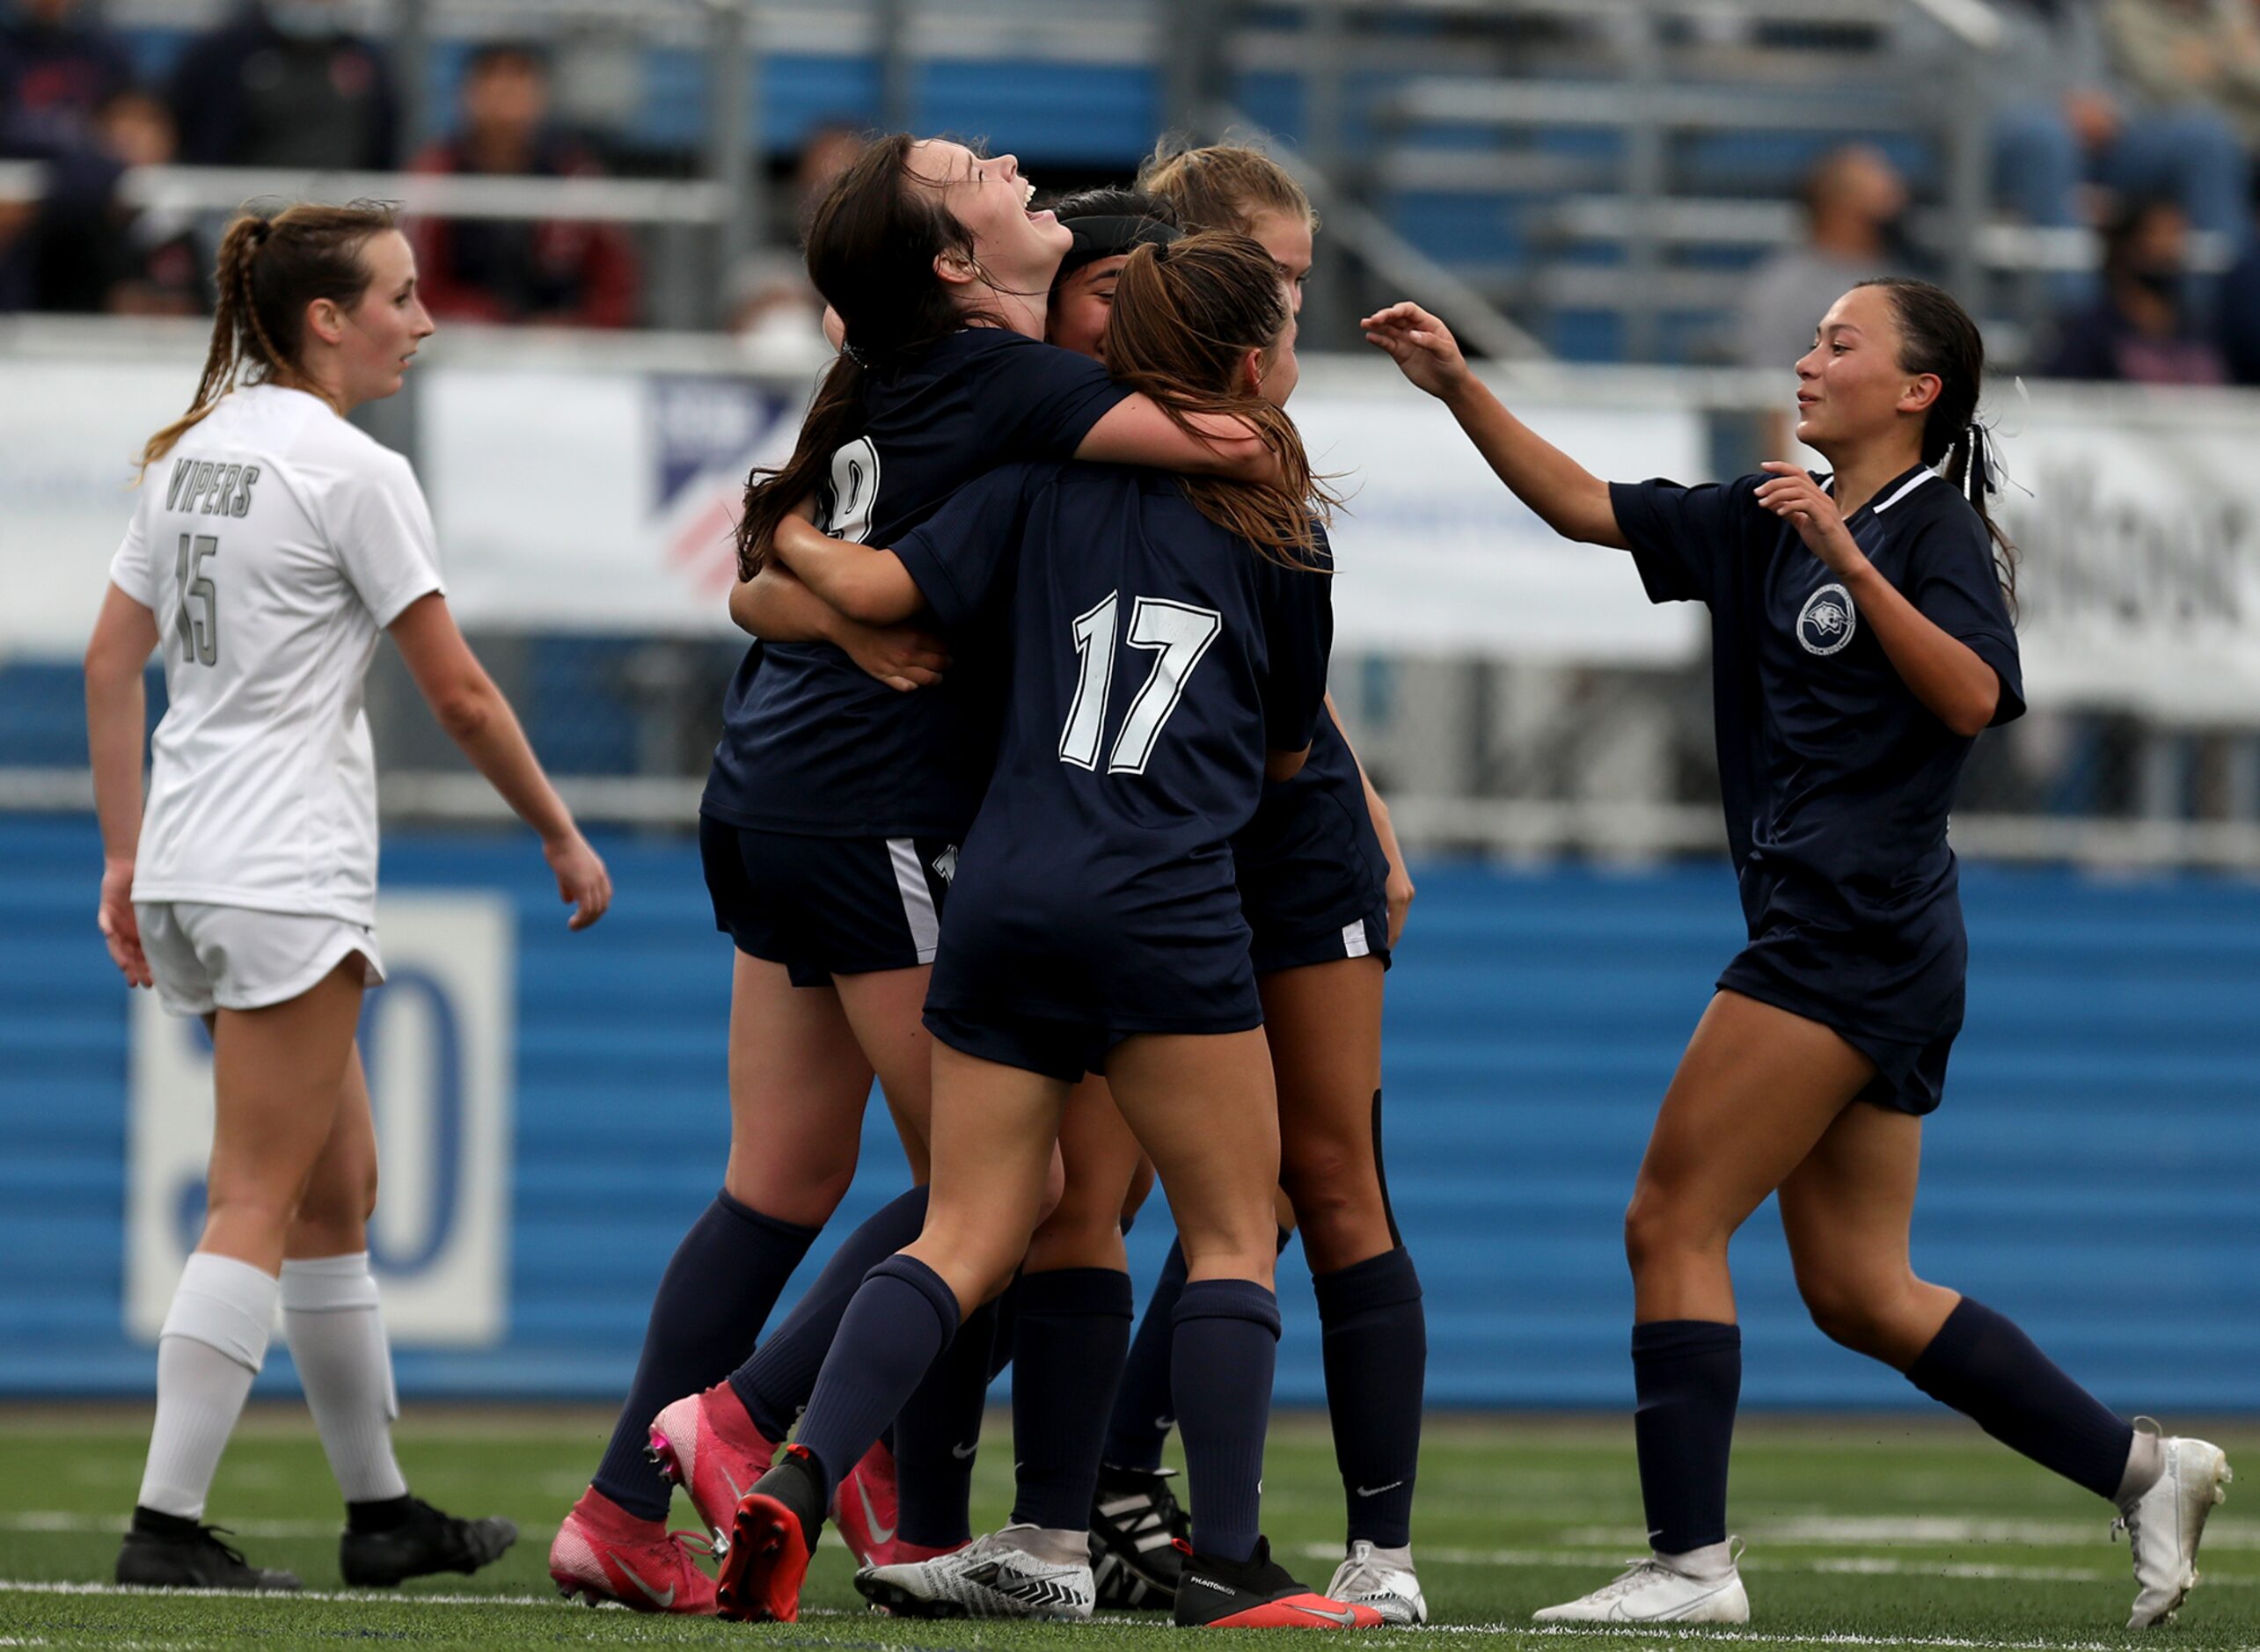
x,y
212,1344
331,1319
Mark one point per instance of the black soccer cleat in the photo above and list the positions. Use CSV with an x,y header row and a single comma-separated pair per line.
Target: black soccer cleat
x,y
192,1556
1136,1526
426,1541
1257,1593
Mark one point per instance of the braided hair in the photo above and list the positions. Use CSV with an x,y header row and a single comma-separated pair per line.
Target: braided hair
x,y
270,268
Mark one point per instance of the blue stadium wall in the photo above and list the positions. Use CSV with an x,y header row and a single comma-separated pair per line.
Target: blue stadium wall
x,y
2093,1170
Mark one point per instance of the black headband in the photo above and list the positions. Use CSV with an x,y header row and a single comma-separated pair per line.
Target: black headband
x,y
1111,236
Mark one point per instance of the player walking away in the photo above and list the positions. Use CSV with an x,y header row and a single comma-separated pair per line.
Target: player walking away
x,y
829,830
271,544
1096,925
1860,641
1326,891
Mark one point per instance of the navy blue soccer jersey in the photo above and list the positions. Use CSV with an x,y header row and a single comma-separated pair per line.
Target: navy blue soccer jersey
x,y
1155,660
1837,781
810,742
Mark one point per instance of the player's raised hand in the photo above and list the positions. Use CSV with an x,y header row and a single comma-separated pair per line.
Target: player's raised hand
x,y
1422,346
901,656
1793,496
582,882
115,916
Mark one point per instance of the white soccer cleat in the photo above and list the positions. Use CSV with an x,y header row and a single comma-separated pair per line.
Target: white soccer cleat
x,y
990,1577
1651,1591
1382,1579
2164,1524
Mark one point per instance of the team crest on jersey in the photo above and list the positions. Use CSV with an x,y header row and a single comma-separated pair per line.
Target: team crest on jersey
x,y
1826,622
945,865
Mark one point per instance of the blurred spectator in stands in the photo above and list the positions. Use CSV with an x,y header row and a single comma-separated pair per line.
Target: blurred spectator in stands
x,y
1853,200
286,84
96,252
2142,332
553,272
2073,126
2240,305
56,72
774,311
2179,54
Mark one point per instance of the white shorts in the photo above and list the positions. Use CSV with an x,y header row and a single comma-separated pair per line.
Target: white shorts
x,y
235,958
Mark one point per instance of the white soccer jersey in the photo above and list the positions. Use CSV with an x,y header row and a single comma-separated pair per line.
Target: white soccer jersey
x,y
272,544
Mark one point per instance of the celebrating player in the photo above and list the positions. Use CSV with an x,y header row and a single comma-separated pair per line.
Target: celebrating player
x,y
830,820
1325,890
1096,924
1861,640
264,561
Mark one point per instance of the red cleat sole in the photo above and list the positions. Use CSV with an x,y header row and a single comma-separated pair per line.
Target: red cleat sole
x,y
1300,1612
768,1560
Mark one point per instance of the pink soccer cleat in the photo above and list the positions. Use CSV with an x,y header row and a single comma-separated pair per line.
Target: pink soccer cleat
x,y
707,1445
602,1552
864,1508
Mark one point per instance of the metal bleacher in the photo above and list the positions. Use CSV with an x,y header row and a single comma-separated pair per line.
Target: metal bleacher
x,y
1598,170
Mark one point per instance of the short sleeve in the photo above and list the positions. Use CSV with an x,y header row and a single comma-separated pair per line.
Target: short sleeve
x,y
1056,396
381,529
133,570
961,555
1952,579
1680,536
1298,637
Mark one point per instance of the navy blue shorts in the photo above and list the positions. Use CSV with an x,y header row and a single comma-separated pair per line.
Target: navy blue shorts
x,y
826,906
1055,1046
1313,878
1790,973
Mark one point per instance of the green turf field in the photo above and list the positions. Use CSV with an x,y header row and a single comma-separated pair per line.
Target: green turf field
x,y
1862,1532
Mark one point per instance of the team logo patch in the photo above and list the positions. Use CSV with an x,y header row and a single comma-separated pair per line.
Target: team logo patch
x,y
1827,620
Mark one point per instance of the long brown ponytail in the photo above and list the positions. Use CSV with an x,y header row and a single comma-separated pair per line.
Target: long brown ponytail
x,y
1184,318
270,269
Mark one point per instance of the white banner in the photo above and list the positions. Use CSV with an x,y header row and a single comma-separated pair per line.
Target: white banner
x,y
436,1042
71,441
2138,561
601,499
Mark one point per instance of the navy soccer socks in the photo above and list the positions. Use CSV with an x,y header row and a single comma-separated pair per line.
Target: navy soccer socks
x,y
1144,1413
899,1321
1687,1374
774,1383
1074,1330
1221,1364
1375,1349
717,1292
937,1435
1989,1371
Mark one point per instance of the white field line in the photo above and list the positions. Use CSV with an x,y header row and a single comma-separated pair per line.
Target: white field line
x,y
1928,1529
1880,1566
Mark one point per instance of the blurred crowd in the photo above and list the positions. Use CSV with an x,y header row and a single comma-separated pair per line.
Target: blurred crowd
x,y
2137,120
290,84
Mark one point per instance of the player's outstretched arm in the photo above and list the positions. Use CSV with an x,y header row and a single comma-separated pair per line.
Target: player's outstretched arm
x,y
1943,672
862,581
1571,499
125,636
479,721
1137,431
